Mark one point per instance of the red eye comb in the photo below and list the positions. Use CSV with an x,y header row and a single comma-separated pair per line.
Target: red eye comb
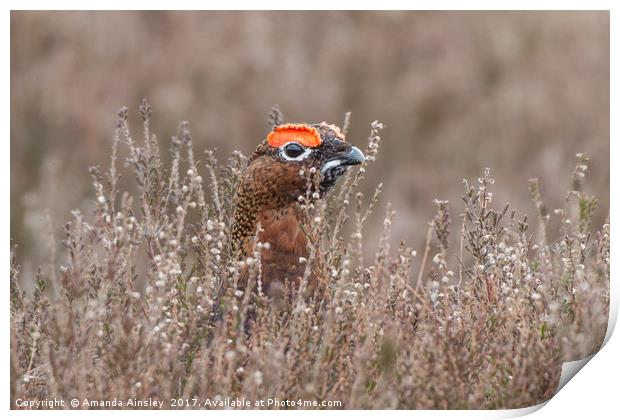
x,y
303,134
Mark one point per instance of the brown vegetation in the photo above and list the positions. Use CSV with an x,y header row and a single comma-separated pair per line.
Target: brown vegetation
x,y
143,304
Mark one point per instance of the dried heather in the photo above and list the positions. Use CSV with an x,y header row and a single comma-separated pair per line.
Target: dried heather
x,y
145,304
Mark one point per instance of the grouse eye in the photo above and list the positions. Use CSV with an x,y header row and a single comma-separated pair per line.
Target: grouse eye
x,y
293,150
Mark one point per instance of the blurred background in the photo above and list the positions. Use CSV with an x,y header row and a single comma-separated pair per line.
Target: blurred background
x,y
519,92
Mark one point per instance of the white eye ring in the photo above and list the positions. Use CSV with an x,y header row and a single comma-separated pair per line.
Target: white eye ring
x,y
304,155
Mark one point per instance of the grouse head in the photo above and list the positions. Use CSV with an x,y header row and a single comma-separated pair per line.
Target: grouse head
x,y
292,151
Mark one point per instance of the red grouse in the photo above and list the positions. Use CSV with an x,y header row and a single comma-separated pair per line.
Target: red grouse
x,y
275,177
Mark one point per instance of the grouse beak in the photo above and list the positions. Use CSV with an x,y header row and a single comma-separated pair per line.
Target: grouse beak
x,y
352,157
337,166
